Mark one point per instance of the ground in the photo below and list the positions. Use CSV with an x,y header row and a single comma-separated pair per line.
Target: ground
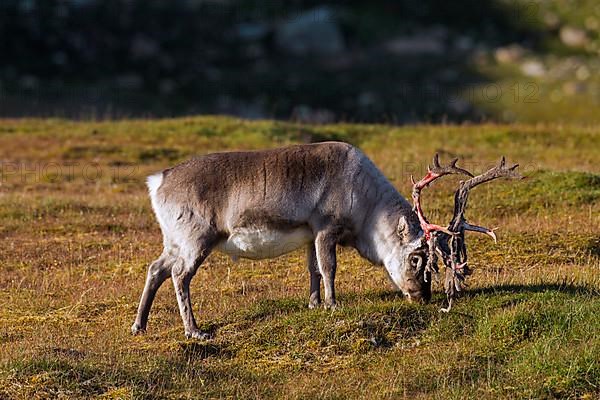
x,y
78,233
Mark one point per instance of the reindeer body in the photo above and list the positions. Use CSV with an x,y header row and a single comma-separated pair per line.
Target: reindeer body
x,y
267,203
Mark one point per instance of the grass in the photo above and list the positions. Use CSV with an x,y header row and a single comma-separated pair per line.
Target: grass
x,y
77,234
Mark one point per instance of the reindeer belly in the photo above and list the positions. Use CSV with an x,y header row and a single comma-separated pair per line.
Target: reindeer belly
x,y
258,244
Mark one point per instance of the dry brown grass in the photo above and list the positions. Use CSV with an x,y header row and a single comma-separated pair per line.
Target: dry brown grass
x,y
77,234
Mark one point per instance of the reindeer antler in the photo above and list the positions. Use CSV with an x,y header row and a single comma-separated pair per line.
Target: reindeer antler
x,y
449,243
432,174
462,195
428,228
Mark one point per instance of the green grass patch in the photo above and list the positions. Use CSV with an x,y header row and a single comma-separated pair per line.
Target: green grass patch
x,y
545,190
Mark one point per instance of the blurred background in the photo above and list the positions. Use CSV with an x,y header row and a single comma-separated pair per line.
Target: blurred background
x,y
391,61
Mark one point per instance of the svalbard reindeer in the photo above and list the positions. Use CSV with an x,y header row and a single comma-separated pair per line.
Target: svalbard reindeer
x,y
263,204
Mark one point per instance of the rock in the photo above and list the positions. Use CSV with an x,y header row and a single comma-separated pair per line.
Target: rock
x,y
509,54
422,43
533,69
312,32
573,37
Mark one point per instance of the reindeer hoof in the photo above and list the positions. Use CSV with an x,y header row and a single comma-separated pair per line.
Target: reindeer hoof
x,y
314,304
199,335
331,306
137,329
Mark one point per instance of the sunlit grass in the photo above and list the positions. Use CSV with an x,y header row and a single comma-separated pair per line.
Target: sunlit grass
x,y
77,234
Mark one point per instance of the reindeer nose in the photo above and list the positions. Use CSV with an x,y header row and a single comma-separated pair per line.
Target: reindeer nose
x,y
416,297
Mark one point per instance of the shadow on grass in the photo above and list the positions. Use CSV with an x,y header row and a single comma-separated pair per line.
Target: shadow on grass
x,y
270,308
538,288
390,295
594,247
202,350
77,379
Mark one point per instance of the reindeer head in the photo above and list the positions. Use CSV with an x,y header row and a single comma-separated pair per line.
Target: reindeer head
x,y
448,243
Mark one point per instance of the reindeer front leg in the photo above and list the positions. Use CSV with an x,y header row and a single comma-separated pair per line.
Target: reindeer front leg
x,y
315,277
325,244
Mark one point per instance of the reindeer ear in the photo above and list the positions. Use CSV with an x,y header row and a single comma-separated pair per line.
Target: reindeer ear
x,y
402,229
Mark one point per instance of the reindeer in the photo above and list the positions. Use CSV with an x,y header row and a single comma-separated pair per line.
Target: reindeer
x,y
263,204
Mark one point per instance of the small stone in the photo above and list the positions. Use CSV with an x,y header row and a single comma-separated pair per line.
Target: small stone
x,y
573,37
534,69
509,54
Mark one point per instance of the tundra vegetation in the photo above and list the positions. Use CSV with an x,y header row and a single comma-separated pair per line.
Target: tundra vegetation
x,y
78,233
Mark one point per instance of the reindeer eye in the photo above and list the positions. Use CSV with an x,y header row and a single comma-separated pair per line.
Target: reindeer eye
x,y
416,261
